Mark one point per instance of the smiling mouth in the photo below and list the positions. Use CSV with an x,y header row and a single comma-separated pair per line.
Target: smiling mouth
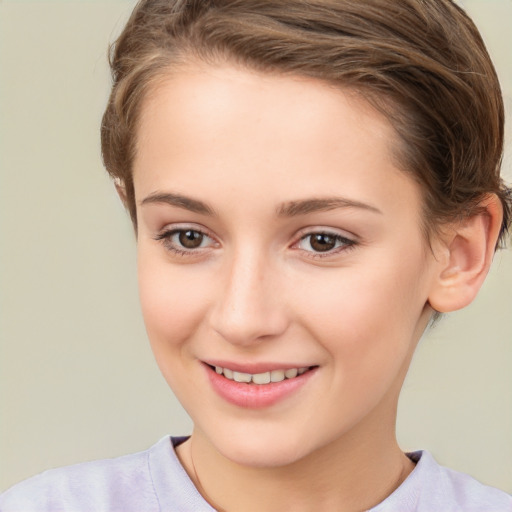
x,y
261,378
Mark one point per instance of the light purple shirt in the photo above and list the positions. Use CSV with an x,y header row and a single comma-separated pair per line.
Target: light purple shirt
x,y
154,480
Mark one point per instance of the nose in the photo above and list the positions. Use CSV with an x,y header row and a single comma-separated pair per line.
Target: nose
x,y
248,309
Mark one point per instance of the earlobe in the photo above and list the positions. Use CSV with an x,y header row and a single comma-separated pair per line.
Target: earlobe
x,y
468,250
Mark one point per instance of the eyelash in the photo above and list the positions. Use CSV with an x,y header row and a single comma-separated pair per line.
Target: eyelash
x,y
165,237
347,244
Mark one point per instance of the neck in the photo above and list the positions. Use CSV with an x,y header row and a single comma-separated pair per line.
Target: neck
x,y
353,473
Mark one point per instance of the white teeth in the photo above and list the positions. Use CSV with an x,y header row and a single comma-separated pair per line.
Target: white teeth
x,y
242,377
261,378
276,375
290,374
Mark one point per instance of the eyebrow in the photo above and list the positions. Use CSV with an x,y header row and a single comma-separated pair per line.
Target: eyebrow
x,y
303,207
288,209
187,203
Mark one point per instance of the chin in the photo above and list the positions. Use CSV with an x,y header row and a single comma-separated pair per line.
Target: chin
x,y
272,456
267,448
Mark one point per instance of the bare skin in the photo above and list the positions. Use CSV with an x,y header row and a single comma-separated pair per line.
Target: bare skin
x,y
317,482
258,172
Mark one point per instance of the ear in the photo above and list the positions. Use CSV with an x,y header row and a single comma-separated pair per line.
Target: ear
x,y
467,250
121,191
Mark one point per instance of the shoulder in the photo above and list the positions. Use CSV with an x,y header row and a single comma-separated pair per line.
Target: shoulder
x,y
148,481
432,487
471,495
119,484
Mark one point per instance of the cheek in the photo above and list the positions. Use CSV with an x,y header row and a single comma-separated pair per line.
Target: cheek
x,y
366,317
173,300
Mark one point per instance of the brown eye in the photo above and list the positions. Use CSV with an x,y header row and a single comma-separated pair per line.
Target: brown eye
x,y
186,242
322,242
190,239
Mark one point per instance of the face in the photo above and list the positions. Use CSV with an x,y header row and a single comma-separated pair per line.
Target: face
x,y
277,241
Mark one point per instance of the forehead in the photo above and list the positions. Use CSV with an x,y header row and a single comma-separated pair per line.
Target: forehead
x,y
205,98
204,125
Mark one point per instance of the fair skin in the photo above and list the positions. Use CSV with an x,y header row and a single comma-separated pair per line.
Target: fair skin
x,y
275,231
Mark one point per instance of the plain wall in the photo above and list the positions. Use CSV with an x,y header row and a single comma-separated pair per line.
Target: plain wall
x,y
77,380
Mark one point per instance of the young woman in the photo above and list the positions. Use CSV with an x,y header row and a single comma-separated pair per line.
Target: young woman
x,y
311,183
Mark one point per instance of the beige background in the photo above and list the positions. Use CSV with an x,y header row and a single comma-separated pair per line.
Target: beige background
x,y
77,377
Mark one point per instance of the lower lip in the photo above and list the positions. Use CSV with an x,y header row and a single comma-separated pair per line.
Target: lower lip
x,y
256,396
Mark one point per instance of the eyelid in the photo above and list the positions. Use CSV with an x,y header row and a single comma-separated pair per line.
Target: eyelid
x,y
165,234
349,241
184,226
314,230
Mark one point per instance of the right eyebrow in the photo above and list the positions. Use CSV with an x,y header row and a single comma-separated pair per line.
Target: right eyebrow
x,y
187,203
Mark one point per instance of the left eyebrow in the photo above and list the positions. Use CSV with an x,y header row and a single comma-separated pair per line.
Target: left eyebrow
x,y
303,207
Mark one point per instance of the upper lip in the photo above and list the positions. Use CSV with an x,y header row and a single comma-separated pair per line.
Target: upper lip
x,y
254,367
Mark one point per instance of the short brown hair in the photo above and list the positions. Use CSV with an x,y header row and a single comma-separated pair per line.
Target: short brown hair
x,y
422,63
